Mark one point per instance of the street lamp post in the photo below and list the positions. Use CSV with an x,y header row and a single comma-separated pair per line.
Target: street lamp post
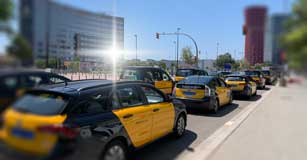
x,y
177,60
136,49
187,35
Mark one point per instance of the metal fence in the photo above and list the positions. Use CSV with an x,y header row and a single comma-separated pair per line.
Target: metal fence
x,y
88,75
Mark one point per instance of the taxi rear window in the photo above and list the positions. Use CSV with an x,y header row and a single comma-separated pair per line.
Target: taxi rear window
x,y
235,79
267,73
252,73
184,72
196,80
41,103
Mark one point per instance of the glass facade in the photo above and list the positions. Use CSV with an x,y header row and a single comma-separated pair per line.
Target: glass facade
x,y
51,29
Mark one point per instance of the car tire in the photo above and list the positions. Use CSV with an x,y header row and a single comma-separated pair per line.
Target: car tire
x,y
115,150
180,126
248,93
230,99
216,106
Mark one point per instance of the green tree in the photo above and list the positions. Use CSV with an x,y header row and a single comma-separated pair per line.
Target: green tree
x,y
39,63
6,10
224,59
6,13
295,40
20,49
162,65
187,56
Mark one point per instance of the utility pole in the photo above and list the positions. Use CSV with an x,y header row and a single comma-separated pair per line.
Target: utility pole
x,y
217,50
136,49
175,43
177,60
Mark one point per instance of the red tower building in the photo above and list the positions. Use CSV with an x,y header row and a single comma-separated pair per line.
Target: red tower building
x,y
254,29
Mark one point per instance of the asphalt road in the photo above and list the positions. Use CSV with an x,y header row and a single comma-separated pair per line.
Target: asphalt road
x,y
200,126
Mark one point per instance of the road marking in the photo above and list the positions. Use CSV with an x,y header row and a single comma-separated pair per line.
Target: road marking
x,y
208,146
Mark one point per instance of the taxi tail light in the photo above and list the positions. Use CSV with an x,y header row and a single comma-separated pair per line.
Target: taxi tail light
x,y
242,84
66,131
207,91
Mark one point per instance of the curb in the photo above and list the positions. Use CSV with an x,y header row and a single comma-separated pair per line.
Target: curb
x,y
208,146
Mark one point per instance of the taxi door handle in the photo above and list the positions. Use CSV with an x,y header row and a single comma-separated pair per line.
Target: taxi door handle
x,y
156,110
127,116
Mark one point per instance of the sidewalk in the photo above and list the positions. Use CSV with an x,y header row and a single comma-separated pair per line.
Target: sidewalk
x,y
276,130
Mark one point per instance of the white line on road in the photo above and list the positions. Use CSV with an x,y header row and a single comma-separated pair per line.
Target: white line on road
x,y
208,146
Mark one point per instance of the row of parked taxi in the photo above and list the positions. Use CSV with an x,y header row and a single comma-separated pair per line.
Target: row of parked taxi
x,y
102,119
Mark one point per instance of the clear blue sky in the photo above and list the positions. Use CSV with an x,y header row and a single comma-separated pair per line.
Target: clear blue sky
x,y
208,21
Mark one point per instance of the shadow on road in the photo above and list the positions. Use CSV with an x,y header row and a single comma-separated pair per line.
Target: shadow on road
x,y
252,99
224,110
266,89
168,147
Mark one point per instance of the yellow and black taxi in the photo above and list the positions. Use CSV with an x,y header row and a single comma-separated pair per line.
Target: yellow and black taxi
x,y
241,85
257,76
207,92
93,119
153,75
269,77
13,82
185,72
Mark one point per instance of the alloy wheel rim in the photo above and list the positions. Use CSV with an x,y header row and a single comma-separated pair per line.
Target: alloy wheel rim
x,y
115,153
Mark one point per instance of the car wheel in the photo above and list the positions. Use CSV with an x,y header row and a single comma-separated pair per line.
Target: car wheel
x,y
249,93
180,126
215,106
230,99
115,150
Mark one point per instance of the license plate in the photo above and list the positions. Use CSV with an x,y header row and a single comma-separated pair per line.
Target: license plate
x,y
21,133
189,93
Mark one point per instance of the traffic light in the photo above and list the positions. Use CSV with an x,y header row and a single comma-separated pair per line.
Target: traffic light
x,y
157,35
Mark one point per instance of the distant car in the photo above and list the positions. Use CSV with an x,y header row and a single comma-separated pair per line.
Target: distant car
x,y
215,74
185,72
94,119
204,92
14,82
241,85
269,77
155,76
257,76
225,73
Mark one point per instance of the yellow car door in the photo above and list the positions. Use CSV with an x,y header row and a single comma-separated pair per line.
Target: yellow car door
x,y
163,112
223,91
129,106
163,81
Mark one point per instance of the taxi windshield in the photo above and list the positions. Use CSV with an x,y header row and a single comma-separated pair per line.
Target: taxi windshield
x,y
41,104
131,74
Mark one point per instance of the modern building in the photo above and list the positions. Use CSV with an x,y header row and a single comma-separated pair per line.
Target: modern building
x,y
254,28
277,29
63,32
